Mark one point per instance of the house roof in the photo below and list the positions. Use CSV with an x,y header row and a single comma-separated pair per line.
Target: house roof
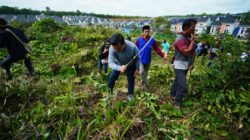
x,y
203,19
174,21
228,20
216,23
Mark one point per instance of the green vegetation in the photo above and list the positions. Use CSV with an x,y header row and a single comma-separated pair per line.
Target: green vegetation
x,y
69,101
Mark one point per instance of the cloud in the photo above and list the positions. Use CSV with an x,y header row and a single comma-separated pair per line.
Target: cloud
x,y
137,7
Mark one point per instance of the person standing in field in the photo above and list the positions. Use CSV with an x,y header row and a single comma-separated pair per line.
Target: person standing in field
x,y
146,54
184,58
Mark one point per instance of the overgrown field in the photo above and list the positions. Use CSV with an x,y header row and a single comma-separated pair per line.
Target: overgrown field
x,y
67,100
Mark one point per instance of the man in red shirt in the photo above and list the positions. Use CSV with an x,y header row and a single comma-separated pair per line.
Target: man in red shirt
x,y
184,58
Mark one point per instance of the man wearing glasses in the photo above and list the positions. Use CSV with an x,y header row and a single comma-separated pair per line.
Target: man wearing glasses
x,y
184,58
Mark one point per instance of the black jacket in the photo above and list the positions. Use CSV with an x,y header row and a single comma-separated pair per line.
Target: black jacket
x,y
103,55
9,41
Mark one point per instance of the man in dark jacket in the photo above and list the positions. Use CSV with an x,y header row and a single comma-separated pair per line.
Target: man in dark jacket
x,y
15,49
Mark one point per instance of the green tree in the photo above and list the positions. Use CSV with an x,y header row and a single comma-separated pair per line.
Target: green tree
x,y
47,9
246,18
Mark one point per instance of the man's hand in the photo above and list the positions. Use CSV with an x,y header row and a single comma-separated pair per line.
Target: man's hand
x,y
123,69
193,37
136,72
165,58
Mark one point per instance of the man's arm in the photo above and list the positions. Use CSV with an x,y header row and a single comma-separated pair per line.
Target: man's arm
x,y
183,48
2,39
137,59
112,62
101,52
188,51
136,43
158,50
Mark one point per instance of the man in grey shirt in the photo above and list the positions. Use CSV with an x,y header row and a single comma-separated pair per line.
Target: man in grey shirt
x,y
121,53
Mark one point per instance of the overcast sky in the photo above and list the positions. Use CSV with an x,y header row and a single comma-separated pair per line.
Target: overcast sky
x,y
136,7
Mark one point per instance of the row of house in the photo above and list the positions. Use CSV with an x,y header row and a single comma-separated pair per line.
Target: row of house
x,y
81,21
211,24
70,20
214,25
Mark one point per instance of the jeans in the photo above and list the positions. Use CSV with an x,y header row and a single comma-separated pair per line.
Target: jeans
x,y
144,68
179,87
10,59
130,77
100,66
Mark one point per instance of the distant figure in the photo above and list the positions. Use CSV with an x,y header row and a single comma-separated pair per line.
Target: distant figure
x,y
184,58
213,51
120,54
146,53
103,57
202,48
166,47
15,49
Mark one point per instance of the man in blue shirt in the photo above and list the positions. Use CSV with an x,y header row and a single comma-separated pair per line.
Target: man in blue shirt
x,y
121,53
145,54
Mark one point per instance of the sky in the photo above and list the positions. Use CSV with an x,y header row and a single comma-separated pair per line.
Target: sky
x,y
151,8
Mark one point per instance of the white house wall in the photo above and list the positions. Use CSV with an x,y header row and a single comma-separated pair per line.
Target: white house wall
x,y
214,29
229,28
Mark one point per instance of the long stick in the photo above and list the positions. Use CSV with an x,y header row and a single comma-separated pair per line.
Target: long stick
x,y
141,49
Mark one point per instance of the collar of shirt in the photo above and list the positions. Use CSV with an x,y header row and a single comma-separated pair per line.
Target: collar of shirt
x,y
145,38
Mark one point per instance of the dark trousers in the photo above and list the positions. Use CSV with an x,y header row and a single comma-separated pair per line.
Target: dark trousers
x,y
100,65
130,77
179,86
10,59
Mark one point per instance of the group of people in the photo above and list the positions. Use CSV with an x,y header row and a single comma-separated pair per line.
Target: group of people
x,y
203,48
131,58
122,56
126,57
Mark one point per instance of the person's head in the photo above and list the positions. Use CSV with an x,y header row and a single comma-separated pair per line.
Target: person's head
x,y
106,42
146,30
3,21
164,41
188,26
117,41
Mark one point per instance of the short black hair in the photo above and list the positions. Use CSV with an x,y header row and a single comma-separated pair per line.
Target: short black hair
x,y
3,21
145,27
117,39
188,23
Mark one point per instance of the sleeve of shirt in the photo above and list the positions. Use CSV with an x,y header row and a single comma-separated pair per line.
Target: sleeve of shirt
x,y
136,43
137,63
3,39
25,39
101,52
157,49
113,64
180,45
